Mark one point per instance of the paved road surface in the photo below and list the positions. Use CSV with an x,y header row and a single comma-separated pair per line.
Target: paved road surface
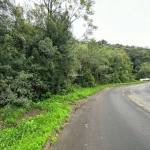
x,y
110,120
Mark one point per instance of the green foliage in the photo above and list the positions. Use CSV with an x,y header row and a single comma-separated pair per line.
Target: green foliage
x,y
39,54
87,80
144,71
120,66
138,55
10,113
40,61
35,129
54,139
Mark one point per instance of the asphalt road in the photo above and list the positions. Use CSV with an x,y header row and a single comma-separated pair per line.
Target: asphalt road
x,y
116,118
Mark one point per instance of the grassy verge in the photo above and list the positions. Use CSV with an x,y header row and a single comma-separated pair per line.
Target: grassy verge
x,y
31,133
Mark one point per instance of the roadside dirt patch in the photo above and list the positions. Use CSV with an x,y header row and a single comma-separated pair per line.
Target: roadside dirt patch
x,y
32,113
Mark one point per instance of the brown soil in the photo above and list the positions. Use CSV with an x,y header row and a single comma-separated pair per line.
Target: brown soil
x,y
32,113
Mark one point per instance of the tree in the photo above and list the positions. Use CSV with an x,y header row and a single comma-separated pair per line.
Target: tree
x,y
62,14
103,42
144,71
120,66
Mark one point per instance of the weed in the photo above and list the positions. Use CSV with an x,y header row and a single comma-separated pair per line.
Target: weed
x,y
54,139
37,129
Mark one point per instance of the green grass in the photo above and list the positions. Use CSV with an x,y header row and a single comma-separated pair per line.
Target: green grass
x,y
54,139
31,133
11,113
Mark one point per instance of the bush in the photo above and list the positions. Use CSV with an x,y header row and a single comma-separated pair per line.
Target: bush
x,y
87,80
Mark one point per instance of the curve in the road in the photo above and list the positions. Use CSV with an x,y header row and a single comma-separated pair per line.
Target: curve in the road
x,y
109,120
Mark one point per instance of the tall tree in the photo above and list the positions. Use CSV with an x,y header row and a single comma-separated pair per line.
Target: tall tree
x,y
66,12
144,71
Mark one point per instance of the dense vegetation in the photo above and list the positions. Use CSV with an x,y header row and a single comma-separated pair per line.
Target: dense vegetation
x,y
40,127
42,65
39,54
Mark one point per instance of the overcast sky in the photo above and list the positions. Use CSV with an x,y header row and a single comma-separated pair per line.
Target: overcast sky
x,y
125,22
